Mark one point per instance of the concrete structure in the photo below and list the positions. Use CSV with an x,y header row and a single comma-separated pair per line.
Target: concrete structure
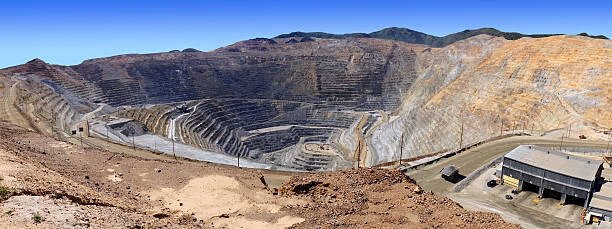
x,y
601,204
82,128
552,171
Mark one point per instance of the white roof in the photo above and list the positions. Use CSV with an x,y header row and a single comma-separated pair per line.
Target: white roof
x,y
555,161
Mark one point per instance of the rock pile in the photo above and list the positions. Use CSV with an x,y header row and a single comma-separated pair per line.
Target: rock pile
x,y
378,198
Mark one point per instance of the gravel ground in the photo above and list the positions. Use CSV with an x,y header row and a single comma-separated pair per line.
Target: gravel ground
x,y
378,198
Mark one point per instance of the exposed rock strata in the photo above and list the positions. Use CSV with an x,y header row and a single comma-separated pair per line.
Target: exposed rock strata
x,y
491,86
482,86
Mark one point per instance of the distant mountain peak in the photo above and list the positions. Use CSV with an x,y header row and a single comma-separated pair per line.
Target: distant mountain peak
x,y
36,61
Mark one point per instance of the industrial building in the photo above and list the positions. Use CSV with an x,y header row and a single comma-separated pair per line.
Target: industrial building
x,y
601,204
551,172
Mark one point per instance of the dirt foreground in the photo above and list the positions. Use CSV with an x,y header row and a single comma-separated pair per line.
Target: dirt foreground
x,y
46,183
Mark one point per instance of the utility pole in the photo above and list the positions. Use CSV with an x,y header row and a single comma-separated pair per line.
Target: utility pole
x,y
461,134
175,153
501,127
365,144
238,156
561,146
569,131
358,153
608,146
461,137
401,149
133,142
133,134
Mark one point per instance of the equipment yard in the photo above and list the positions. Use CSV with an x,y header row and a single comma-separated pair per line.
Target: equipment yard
x,y
470,160
546,214
477,196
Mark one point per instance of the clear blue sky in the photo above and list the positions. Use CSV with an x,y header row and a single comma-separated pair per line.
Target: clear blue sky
x,y
68,32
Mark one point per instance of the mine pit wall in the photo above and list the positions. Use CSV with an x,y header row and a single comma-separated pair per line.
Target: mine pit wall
x,y
361,73
486,83
492,85
41,102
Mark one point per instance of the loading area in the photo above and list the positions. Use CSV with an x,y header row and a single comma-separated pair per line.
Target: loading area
x,y
482,164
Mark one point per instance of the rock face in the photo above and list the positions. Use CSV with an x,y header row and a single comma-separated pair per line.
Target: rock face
x,y
262,98
488,85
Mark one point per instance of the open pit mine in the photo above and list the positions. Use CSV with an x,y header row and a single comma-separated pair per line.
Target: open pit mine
x,y
300,104
324,104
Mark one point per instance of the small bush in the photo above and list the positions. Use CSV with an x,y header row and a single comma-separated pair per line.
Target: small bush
x,y
4,191
37,217
9,212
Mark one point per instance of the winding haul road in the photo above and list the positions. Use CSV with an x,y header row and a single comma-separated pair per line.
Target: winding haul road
x,y
9,111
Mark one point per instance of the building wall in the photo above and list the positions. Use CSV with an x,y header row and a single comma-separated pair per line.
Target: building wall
x,y
605,213
549,180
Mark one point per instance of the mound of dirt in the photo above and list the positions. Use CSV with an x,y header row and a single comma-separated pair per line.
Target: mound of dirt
x,y
378,198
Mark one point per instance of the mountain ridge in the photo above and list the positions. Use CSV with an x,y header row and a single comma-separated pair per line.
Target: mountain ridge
x,y
416,37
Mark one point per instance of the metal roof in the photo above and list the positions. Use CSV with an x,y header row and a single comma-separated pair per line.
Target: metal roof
x,y
555,161
603,198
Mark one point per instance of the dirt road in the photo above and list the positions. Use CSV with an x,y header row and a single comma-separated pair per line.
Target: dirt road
x,y
429,177
9,111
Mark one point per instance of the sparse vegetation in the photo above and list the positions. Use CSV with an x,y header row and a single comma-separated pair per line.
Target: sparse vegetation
x,y
4,191
37,218
9,212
